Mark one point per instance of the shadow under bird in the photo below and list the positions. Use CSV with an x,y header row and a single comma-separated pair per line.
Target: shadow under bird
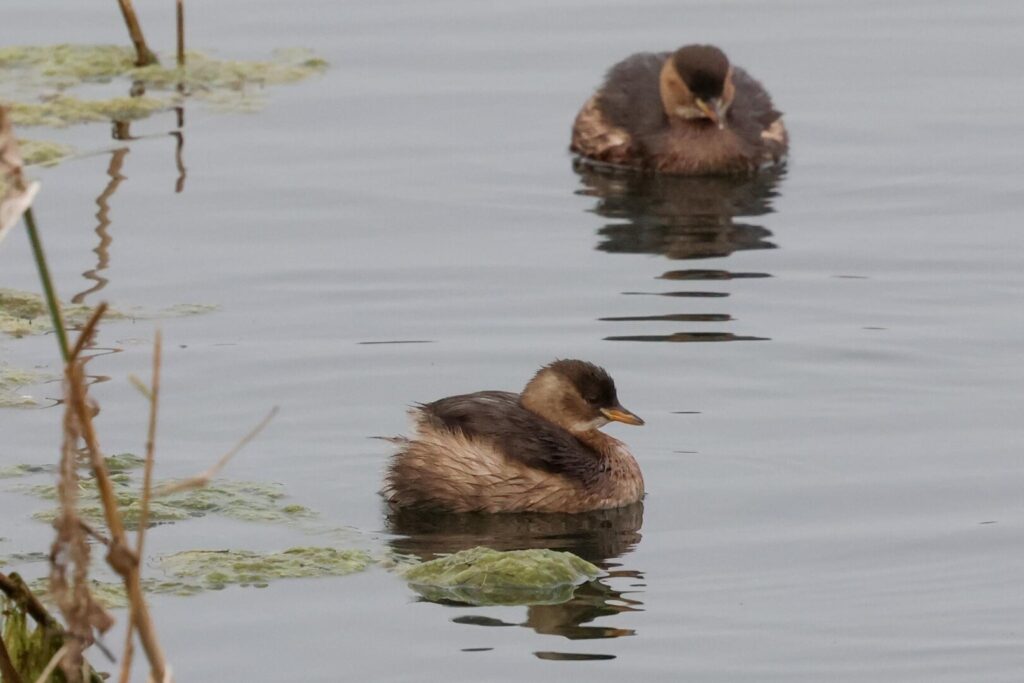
x,y
540,450
688,112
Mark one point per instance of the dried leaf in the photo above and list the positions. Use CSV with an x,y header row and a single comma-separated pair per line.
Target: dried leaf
x,y
15,196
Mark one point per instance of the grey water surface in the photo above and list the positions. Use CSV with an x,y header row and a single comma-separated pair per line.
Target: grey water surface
x,y
828,358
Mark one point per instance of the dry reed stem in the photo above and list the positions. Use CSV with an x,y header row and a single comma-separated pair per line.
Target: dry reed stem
x,y
154,406
153,394
126,658
90,530
203,478
180,24
88,331
119,556
143,55
69,561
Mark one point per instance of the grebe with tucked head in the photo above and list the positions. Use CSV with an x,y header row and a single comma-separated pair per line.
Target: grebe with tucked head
x,y
688,112
541,450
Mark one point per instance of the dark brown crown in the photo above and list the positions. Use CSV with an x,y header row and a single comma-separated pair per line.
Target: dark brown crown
x,y
703,68
594,384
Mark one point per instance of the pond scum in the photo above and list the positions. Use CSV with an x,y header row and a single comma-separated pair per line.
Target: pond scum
x,y
54,71
38,87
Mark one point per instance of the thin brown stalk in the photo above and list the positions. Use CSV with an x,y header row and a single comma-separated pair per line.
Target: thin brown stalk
x,y
153,393
85,336
119,556
180,22
69,560
143,55
154,406
126,659
203,478
92,531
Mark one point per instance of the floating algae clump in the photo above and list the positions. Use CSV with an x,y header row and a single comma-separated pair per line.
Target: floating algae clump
x,y
215,569
123,462
12,471
481,576
204,73
23,313
111,594
43,152
67,110
10,381
196,571
64,66
223,83
243,500
67,65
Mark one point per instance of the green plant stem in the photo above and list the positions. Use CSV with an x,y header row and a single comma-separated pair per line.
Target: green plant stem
x,y
44,275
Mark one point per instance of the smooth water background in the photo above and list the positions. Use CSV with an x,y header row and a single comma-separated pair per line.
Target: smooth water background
x,y
839,499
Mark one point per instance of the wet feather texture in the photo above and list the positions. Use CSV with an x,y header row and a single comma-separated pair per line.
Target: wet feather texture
x,y
625,122
497,451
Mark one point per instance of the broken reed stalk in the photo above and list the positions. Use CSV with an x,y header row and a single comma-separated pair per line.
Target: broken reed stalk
x,y
203,478
70,561
120,556
143,55
180,23
153,394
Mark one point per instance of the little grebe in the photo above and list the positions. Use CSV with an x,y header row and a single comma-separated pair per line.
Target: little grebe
x,y
539,451
687,112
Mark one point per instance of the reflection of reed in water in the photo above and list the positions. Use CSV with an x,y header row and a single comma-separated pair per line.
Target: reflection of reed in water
x,y
102,249
682,218
599,537
121,131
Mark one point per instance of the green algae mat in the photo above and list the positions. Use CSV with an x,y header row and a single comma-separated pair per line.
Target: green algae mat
x,y
478,576
36,82
481,576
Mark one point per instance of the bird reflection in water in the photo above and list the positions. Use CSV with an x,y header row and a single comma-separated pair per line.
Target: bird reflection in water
x,y
601,537
682,218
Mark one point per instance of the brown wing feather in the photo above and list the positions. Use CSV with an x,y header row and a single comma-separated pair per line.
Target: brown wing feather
x,y
593,136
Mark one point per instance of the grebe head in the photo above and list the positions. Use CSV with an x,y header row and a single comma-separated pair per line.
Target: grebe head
x,y
696,83
576,395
